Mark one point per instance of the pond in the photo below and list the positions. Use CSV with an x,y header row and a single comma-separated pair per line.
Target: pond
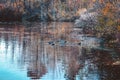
x,y
51,51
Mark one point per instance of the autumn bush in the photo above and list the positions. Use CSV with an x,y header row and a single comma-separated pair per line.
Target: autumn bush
x,y
108,18
104,18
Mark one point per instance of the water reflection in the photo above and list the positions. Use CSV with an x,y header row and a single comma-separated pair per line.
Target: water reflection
x,y
46,51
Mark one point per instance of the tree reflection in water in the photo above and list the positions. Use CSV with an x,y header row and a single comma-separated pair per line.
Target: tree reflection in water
x,y
29,48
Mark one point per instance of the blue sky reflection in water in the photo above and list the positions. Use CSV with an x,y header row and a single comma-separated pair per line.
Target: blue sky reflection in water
x,y
8,69
25,56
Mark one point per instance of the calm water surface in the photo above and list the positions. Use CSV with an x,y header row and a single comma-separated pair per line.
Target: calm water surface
x,y
47,51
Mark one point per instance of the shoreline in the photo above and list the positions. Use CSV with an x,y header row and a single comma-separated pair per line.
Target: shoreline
x,y
28,22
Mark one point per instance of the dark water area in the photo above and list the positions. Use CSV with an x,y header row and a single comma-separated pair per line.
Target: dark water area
x,y
54,51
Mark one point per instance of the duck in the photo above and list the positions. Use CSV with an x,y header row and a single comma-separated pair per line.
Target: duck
x,y
51,43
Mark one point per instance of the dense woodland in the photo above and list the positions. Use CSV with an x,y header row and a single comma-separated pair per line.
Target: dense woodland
x,y
44,9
